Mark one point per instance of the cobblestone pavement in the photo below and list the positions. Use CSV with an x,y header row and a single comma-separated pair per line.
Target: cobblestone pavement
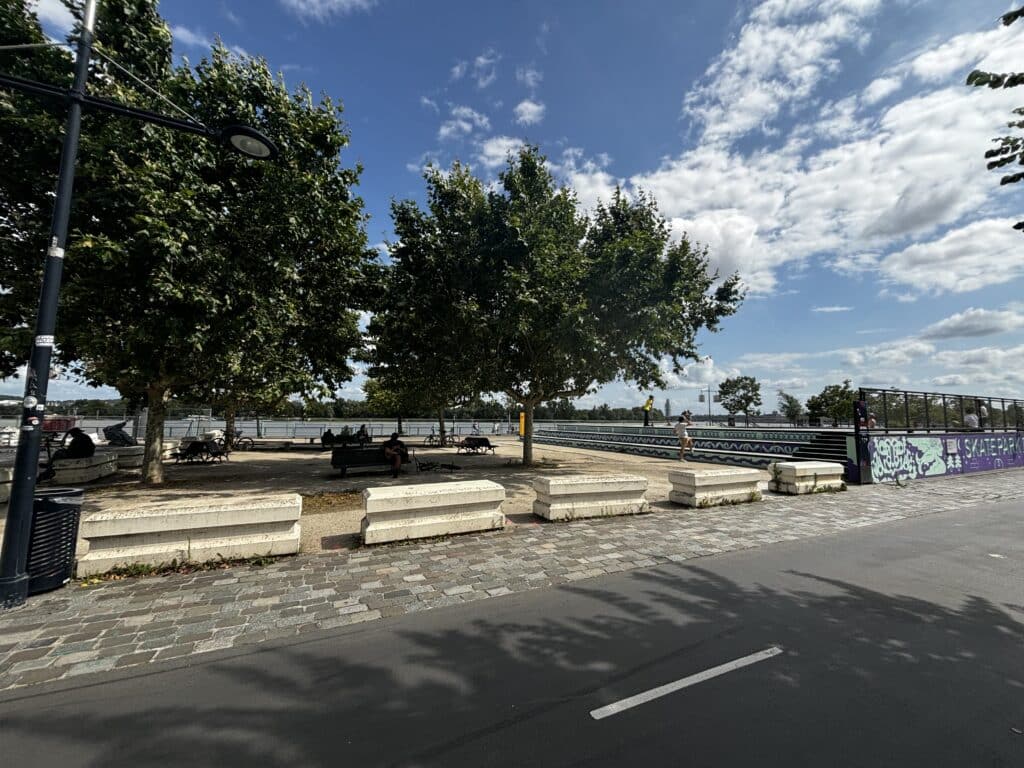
x,y
77,630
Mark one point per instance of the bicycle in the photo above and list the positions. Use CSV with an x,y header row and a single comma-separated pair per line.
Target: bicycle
x,y
240,443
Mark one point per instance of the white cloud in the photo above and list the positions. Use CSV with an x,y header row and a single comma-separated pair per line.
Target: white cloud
x,y
529,112
429,103
881,88
459,70
493,152
851,182
913,170
831,309
485,70
973,322
462,121
974,256
190,37
529,76
54,13
781,54
324,10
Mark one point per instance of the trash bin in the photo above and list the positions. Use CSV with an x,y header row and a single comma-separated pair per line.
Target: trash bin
x,y
51,547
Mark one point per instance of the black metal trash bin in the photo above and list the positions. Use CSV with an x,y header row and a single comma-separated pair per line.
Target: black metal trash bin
x,y
51,547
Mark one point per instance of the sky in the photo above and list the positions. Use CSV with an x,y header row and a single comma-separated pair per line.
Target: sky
x,y
828,151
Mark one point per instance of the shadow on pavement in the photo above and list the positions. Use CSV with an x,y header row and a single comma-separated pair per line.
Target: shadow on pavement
x,y
395,695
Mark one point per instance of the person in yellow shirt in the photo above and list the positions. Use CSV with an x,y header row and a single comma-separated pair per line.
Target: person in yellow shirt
x,y
647,410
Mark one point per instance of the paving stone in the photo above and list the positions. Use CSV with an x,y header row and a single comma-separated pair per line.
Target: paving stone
x,y
137,621
38,676
130,658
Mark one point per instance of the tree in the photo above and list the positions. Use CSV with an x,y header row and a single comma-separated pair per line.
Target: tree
x,y
425,341
30,134
191,270
1009,149
741,394
790,406
834,401
573,303
391,403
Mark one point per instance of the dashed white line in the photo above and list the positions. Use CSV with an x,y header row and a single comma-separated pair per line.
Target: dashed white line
x,y
664,690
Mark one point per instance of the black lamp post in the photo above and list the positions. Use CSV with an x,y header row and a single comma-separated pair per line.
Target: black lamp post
x,y
248,141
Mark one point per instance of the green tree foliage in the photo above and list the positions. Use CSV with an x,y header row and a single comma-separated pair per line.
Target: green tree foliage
x,y
573,303
741,394
834,401
790,406
1009,150
191,270
513,291
30,138
426,334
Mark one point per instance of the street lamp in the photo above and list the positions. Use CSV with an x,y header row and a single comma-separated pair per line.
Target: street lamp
x,y
243,139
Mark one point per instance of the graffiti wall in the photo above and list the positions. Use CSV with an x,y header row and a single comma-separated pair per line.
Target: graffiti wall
x,y
898,457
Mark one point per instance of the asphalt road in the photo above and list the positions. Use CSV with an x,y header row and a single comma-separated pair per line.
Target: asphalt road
x,y
902,645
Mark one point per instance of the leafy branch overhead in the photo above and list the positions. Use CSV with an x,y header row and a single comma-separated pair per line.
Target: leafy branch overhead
x,y
1009,149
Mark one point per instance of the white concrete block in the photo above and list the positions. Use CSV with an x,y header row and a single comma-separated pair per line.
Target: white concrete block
x,y
799,477
206,529
128,456
76,471
403,512
710,487
578,496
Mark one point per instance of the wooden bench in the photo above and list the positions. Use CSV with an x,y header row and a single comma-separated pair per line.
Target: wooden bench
x,y
474,445
353,457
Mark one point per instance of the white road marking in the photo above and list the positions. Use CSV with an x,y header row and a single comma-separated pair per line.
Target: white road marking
x,y
998,557
686,682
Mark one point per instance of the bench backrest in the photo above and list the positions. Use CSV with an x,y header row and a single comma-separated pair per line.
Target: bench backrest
x,y
477,442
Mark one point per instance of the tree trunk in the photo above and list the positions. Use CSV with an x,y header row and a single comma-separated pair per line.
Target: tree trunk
x,y
153,459
528,434
229,426
440,420
400,425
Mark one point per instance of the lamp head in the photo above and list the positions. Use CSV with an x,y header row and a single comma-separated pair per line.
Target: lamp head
x,y
249,142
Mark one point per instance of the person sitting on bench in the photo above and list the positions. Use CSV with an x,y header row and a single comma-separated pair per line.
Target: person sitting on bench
x,y
80,447
327,439
362,435
394,452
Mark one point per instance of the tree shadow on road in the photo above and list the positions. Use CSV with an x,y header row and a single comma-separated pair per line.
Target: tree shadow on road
x,y
325,702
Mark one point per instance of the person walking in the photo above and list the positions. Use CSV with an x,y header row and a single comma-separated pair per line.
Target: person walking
x,y
647,410
685,441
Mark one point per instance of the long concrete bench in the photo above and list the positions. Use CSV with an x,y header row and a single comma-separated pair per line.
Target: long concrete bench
x,y
710,487
6,474
798,477
577,496
75,471
191,530
128,456
405,512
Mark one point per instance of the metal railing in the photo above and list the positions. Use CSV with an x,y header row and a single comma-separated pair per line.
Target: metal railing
x,y
886,410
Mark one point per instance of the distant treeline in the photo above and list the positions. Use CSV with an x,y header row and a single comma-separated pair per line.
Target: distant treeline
x,y
484,410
